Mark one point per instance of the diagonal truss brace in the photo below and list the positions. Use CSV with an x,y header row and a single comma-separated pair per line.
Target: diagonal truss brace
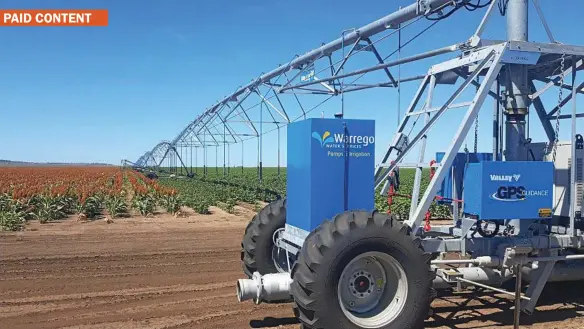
x,y
338,69
564,101
282,113
555,81
542,114
472,112
400,130
439,113
170,147
543,21
380,60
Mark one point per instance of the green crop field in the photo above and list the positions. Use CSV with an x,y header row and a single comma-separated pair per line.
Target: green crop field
x,y
226,189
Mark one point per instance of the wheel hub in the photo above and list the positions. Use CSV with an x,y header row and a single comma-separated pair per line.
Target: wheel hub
x,y
361,284
372,289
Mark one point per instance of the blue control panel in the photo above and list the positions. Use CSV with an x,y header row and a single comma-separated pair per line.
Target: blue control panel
x,y
330,169
456,173
509,190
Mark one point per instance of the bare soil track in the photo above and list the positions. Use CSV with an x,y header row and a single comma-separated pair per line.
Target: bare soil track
x,y
167,272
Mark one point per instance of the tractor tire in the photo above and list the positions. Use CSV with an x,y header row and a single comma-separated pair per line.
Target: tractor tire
x,y
362,270
257,244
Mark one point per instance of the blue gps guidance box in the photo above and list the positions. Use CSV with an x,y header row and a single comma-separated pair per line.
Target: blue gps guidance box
x,y
509,190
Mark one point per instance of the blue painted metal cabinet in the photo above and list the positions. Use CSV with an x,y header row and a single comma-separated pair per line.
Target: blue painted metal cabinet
x,y
508,190
322,180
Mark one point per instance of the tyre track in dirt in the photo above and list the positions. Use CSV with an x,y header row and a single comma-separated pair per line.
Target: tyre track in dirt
x,y
74,278
101,274
169,273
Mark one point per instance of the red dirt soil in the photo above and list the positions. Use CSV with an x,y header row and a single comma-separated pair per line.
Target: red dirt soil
x,y
166,272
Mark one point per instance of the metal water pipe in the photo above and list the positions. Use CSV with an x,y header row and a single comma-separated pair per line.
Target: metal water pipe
x,y
517,85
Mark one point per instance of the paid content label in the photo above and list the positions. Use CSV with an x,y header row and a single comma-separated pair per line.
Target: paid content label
x,y
47,17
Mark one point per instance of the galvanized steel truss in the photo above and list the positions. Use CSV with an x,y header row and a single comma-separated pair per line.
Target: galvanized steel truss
x,y
280,98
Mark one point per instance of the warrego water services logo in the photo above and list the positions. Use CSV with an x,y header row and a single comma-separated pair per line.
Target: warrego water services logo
x,y
326,138
337,144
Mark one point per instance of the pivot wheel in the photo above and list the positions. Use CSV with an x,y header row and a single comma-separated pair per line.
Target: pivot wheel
x,y
259,252
362,270
373,283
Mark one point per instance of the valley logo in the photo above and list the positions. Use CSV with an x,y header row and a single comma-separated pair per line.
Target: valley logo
x,y
505,178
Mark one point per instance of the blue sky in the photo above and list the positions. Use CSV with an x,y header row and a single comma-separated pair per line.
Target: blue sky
x,y
102,94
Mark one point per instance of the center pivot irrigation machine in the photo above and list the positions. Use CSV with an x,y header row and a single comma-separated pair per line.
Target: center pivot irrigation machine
x,y
516,211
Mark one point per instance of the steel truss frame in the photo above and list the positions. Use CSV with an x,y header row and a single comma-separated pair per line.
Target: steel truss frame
x,y
229,121
477,64
486,63
155,159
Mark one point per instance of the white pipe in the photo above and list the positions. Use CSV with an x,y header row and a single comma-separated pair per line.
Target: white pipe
x,y
452,261
496,261
247,289
480,261
561,272
555,258
265,288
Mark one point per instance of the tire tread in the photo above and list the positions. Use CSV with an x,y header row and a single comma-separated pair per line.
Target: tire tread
x,y
257,229
315,250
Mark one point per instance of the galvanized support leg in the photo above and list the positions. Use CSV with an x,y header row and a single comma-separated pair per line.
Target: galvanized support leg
x,y
278,150
472,112
496,123
399,49
177,159
173,162
538,282
422,151
573,231
224,146
517,311
455,212
260,145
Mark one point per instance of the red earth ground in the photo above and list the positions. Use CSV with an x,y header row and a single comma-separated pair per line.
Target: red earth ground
x,y
167,272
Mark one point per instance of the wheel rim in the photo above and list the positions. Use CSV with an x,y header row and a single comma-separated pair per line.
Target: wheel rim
x,y
279,256
372,290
